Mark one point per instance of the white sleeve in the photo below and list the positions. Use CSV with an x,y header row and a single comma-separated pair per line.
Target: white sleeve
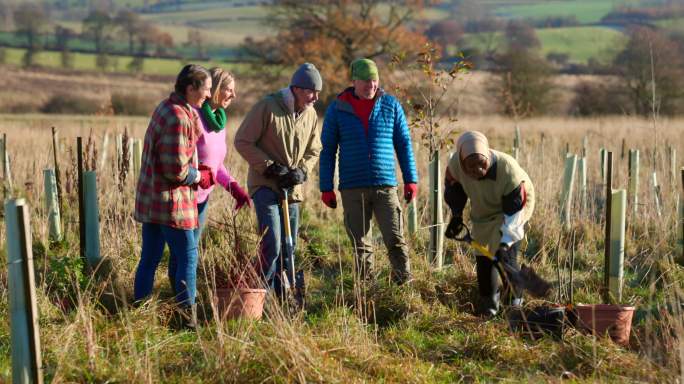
x,y
513,229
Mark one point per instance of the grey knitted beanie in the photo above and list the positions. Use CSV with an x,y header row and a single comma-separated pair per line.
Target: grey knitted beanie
x,y
307,76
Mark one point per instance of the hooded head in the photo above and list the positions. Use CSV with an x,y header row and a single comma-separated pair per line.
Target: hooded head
x,y
473,153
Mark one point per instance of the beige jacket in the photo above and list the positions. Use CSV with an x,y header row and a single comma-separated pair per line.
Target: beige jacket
x,y
271,132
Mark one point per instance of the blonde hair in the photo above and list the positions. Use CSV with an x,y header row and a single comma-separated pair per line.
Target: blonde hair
x,y
219,79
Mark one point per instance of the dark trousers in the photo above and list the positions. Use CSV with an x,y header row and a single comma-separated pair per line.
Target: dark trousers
x,y
488,275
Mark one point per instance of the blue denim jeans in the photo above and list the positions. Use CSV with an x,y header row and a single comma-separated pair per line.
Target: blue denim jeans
x,y
173,262
274,258
182,246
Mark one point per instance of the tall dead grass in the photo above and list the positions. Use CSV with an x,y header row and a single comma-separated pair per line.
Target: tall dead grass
x,y
421,334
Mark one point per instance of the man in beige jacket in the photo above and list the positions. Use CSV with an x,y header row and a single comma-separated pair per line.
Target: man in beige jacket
x,y
279,139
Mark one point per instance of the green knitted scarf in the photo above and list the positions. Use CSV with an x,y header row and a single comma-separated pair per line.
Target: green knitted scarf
x,y
215,119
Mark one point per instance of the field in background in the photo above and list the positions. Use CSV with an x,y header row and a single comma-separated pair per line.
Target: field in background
x,y
225,25
579,43
586,11
119,64
582,43
425,333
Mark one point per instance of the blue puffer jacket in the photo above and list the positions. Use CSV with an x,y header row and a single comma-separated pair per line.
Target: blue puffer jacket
x,y
366,161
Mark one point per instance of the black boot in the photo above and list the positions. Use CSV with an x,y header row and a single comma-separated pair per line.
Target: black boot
x,y
489,305
186,318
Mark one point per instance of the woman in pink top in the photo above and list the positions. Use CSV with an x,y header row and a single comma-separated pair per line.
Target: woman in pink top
x,y
211,150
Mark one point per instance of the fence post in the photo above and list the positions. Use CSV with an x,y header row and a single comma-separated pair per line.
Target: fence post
x,y
516,142
582,169
25,338
55,156
92,219
103,155
436,233
137,155
81,207
119,153
673,167
603,155
681,215
617,239
52,206
633,189
609,194
656,193
413,216
566,195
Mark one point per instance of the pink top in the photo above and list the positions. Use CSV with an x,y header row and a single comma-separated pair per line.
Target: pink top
x,y
211,150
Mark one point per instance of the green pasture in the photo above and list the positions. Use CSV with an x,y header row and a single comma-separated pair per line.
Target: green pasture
x,y
586,11
676,24
582,43
86,62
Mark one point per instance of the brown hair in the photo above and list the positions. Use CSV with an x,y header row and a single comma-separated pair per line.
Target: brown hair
x,y
191,74
219,79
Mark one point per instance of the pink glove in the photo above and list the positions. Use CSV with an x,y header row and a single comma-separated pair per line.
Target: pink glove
x,y
241,197
329,199
410,191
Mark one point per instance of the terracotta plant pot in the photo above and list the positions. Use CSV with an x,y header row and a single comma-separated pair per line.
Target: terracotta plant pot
x,y
602,318
247,303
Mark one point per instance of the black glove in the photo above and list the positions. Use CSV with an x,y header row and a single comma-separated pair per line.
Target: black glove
x,y
293,177
454,228
276,171
505,253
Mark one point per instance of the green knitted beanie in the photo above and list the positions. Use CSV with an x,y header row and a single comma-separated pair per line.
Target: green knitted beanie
x,y
364,69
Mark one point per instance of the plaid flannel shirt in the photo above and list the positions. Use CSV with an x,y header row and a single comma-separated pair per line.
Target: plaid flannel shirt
x,y
170,140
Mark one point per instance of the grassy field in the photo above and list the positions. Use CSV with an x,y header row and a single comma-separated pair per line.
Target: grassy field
x,y
672,24
586,11
87,62
423,333
580,43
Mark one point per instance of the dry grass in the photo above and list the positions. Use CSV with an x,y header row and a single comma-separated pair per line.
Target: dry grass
x,y
425,333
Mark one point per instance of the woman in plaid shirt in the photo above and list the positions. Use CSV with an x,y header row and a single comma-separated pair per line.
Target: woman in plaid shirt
x,y
165,201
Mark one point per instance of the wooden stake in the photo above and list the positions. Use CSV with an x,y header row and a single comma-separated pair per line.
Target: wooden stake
x,y
52,206
582,170
609,192
58,180
633,188
566,195
81,205
656,194
681,209
413,216
617,239
92,219
436,233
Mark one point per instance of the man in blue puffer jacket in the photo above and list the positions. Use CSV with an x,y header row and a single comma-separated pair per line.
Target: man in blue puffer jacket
x,y
368,127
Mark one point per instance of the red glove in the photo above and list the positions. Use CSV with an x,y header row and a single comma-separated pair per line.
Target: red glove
x,y
410,191
241,197
206,176
329,199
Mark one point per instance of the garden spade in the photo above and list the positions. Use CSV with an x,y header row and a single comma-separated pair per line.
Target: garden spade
x,y
524,278
288,240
